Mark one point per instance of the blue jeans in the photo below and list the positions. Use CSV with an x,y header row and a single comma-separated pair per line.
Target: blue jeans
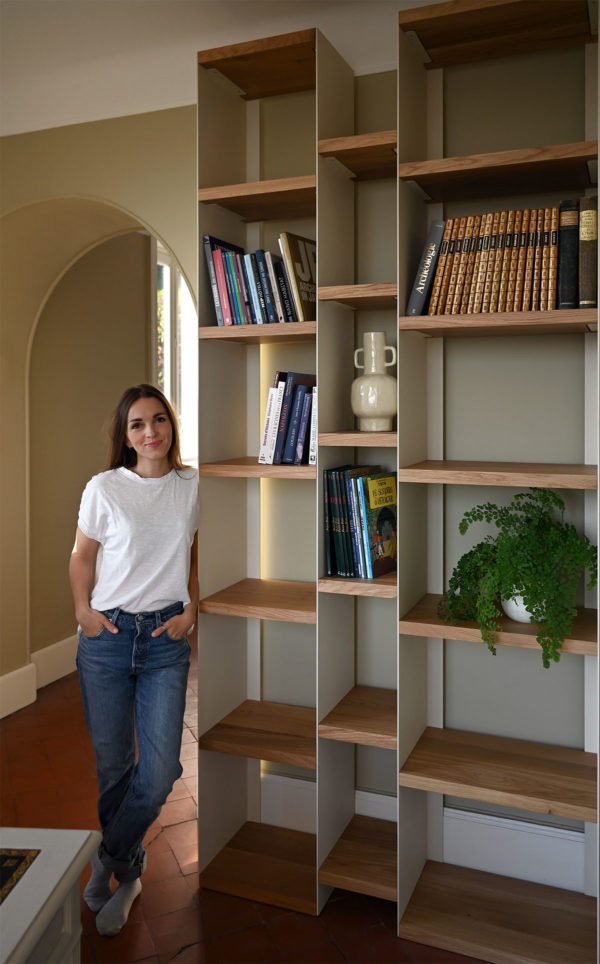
x,y
133,688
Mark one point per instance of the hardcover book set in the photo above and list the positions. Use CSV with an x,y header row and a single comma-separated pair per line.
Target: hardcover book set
x,y
261,288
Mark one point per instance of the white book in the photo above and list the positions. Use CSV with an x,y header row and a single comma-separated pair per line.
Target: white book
x,y
262,455
312,452
269,256
272,439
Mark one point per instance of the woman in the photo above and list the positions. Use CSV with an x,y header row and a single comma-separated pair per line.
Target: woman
x,y
134,581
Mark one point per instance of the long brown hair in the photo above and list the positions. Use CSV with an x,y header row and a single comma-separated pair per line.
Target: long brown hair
x,y
120,453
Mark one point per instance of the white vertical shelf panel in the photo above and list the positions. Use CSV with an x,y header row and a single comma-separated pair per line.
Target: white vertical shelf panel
x,y
335,334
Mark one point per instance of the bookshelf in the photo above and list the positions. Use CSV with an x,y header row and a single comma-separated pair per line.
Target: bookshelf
x,y
471,448
350,690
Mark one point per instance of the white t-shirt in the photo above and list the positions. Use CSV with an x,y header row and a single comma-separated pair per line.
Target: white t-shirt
x,y
145,528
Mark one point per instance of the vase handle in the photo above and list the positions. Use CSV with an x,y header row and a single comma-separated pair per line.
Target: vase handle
x,y
393,351
356,362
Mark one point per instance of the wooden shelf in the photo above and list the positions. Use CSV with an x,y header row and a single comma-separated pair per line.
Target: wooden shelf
x,y
361,296
359,440
367,156
552,168
286,197
511,773
269,864
290,332
266,731
502,473
288,602
469,30
366,716
384,587
503,323
364,859
423,620
248,467
282,64
499,919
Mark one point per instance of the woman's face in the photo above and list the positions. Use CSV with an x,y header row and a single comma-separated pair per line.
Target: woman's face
x,y
149,432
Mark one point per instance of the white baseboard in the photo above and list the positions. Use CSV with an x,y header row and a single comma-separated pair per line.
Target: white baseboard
x,y
514,848
17,689
54,662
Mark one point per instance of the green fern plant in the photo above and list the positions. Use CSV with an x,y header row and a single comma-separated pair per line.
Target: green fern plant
x,y
536,555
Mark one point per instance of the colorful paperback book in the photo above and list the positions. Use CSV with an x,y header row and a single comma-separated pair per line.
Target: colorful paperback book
x,y
379,505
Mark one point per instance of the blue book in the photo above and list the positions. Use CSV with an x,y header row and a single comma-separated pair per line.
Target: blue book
x,y
301,457
289,449
292,379
364,526
266,286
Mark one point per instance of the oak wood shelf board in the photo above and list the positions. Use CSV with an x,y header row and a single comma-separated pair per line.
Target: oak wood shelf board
x,y
288,332
274,599
366,716
248,467
469,30
554,322
276,732
499,919
287,197
358,440
367,156
369,296
384,587
423,620
549,475
554,167
512,773
270,864
282,64
364,859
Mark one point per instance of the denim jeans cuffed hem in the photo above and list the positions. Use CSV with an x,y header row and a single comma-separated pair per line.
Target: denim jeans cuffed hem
x,y
123,870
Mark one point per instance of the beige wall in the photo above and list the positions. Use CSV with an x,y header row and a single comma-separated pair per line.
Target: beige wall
x,y
64,191
90,344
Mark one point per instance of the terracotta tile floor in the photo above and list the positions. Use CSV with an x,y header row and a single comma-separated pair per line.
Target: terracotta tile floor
x,y
48,780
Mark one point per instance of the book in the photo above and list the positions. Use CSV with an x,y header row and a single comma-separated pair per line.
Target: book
x,y
213,279
251,282
346,538
228,264
270,262
292,379
302,449
456,259
328,527
528,276
480,269
491,263
350,478
537,261
500,242
269,437
266,286
379,504
506,256
262,453
312,448
286,298
514,260
217,247
476,265
440,269
250,305
545,272
300,259
553,262
291,438
259,288
338,562
243,291
470,264
568,254
588,252
521,259
417,302
461,272
448,267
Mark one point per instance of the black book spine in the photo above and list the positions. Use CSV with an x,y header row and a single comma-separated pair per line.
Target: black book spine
x,y
568,254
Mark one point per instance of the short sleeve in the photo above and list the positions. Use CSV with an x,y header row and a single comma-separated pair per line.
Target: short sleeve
x,y
93,516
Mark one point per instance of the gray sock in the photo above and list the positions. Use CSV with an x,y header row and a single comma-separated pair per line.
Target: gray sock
x,y
113,916
97,891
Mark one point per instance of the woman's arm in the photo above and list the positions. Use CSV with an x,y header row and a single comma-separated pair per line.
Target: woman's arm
x,y
81,576
179,626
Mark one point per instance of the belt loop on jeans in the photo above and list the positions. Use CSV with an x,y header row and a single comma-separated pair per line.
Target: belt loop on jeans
x,y
115,615
157,616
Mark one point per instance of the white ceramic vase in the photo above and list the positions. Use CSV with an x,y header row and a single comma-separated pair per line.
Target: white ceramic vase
x,y
373,395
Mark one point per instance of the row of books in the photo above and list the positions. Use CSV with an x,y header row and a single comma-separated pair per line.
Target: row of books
x,y
360,521
261,287
531,259
289,435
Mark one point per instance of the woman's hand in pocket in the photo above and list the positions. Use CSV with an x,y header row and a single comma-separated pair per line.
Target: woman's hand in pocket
x,y
92,623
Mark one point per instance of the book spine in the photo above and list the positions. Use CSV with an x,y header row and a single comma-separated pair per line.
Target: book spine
x,y
529,255
266,288
545,275
364,527
284,293
448,266
537,261
258,283
568,254
217,256
240,289
553,265
352,522
338,565
312,449
470,264
284,417
264,445
361,547
274,287
253,290
327,525
213,279
505,271
491,264
500,242
440,268
521,260
232,287
426,270
514,260
274,427
476,265
479,280
345,524
458,248
301,454
247,290
291,438
588,252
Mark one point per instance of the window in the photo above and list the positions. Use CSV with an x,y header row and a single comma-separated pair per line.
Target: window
x,y
175,354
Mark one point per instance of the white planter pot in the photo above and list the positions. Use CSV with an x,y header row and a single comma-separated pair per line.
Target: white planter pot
x,y
515,609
